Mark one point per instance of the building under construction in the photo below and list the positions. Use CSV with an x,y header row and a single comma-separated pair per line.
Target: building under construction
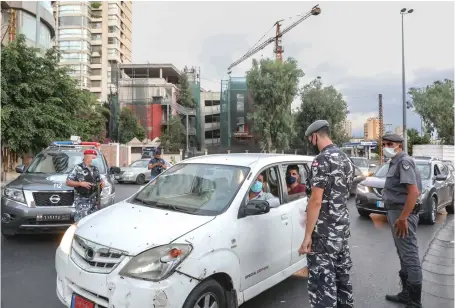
x,y
151,91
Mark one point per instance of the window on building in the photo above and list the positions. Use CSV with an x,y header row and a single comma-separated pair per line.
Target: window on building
x,y
113,40
45,39
66,33
96,83
78,69
69,57
96,60
96,25
72,9
96,37
112,51
68,21
96,72
28,26
74,45
113,29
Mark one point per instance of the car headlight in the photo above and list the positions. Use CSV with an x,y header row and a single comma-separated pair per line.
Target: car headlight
x,y
14,194
67,240
362,188
157,263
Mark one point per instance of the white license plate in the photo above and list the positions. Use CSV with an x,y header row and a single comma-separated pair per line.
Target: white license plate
x,y
380,204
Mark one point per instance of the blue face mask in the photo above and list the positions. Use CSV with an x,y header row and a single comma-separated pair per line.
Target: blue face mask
x,y
257,187
290,180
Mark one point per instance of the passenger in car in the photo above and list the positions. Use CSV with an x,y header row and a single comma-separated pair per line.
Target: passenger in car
x,y
293,180
256,193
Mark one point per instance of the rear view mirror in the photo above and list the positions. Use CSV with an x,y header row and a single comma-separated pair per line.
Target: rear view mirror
x,y
20,169
114,170
254,207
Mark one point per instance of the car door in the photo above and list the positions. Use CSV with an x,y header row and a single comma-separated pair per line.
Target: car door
x,y
444,184
438,185
264,241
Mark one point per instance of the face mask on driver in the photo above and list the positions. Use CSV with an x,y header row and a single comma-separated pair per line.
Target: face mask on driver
x,y
290,180
390,152
257,187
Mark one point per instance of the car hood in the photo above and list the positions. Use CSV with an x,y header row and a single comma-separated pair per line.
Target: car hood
x,y
134,228
363,169
37,181
373,182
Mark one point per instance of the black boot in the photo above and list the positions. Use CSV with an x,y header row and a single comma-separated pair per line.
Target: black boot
x,y
415,295
403,296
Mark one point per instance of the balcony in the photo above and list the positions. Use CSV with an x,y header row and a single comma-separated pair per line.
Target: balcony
x,y
212,126
211,109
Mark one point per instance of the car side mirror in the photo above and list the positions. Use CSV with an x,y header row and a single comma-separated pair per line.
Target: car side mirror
x,y
372,166
254,207
441,177
20,169
114,170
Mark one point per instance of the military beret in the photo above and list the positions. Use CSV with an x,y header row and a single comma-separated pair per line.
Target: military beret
x,y
90,152
315,126
393,138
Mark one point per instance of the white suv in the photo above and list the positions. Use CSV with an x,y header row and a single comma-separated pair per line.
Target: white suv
x,y
188,239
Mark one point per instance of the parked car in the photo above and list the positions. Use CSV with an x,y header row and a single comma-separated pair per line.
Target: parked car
x,y
188,237
437,190
359,176
39,201
137,172
363,164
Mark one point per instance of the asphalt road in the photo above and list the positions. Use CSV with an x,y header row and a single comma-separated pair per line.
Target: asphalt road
x,y
28,274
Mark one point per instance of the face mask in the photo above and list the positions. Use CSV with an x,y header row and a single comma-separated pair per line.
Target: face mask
x,y
290,180
257,187
389,152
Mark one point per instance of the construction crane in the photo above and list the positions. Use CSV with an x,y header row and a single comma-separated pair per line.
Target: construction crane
x,y
277,39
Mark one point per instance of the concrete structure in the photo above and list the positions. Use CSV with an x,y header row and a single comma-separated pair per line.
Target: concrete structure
x,y
92,37
33,19
371,129
348,128
210,119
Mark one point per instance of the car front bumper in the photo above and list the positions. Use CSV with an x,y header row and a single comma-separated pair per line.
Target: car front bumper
x,y
113,290
126,178
369,202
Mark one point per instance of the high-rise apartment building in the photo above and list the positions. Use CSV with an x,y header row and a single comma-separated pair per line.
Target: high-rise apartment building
x,y
348,128
94,36
371,129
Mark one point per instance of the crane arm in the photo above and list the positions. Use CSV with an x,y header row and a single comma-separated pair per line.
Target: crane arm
x,y
314,11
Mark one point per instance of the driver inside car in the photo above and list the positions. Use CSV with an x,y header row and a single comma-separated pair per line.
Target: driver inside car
x,y
256,193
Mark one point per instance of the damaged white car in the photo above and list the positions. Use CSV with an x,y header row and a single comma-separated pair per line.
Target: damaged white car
x,y
200,235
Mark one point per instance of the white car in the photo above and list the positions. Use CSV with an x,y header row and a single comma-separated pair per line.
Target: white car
x,y
189,239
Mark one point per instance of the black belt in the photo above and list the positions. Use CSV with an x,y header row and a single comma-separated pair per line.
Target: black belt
x,y
400,206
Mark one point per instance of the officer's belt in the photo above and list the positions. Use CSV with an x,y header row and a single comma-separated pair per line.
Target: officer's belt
x,y
400,206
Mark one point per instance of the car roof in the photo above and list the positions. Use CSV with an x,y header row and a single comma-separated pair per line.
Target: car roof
x,y
246,159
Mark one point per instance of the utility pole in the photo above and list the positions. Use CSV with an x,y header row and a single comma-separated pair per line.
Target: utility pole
x,y
381,128
405,133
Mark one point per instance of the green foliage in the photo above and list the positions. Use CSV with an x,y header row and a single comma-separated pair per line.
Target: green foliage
x,y
95,4
41,102
174,135
435,103
321,103
185,97
414,138
274,85
129,126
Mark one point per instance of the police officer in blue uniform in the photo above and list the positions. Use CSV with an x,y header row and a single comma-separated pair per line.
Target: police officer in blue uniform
x,y
156,165
400,194
327,226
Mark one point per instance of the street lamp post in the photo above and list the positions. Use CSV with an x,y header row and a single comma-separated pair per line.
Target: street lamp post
x,y
403,12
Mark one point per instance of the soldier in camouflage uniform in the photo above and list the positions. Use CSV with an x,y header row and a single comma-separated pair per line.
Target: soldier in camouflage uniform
x,y
327,227
84,177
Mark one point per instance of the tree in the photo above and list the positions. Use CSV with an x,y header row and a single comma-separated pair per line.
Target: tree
x,y
273,85
414,138
185,97
174,135
321,103
41,102
434,103
129,126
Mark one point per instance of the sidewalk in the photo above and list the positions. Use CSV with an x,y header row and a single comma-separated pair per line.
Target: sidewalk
x,y
10,176
438,269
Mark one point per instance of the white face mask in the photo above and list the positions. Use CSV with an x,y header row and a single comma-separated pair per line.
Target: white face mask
x,y
390,152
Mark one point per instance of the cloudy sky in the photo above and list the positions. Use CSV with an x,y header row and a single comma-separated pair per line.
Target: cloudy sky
x,y
355,46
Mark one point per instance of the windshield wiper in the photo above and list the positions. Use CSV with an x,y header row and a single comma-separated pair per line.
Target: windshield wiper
x,y
172,207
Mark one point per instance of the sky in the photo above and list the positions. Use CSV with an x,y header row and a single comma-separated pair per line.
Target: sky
x,y
354,46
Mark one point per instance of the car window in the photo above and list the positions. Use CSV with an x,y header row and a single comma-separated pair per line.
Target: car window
x,y
381,172
62,162
140,164
450,167
424,170
443,169
298,171
360,162
199,189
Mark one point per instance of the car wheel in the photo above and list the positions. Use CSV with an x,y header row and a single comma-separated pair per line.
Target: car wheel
x,y
449,208
430,215
363,213
206,295
140,179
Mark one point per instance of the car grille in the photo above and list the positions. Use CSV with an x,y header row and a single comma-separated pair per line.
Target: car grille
x,y
59,198
378,191
95,258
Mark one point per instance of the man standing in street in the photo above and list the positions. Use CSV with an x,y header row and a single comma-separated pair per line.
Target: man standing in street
x,y
401,190
327,226
157,164
84,177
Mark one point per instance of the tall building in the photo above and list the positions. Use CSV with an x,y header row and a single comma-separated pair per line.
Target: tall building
x,y
93,37
399,130
371,129
20,17
348,128
210,119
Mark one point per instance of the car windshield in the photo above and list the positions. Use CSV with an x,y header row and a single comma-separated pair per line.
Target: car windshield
x,y
360,162
424,169
61,162
199,189
140,164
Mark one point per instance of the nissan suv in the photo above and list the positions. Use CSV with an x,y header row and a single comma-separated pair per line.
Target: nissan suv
x,y
39,201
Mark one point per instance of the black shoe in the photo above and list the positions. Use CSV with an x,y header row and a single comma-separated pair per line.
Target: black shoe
x,y
415,295
403,296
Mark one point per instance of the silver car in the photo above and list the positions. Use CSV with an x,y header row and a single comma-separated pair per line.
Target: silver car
x,y
363,165
137,172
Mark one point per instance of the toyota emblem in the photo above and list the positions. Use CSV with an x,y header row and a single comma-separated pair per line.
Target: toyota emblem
x,y
89,254
54,199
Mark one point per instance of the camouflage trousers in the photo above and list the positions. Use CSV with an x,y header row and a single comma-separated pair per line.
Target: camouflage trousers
x,y
329,284
84,207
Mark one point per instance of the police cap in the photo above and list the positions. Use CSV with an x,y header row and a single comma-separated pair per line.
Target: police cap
x,y
90,152
393,138
315,126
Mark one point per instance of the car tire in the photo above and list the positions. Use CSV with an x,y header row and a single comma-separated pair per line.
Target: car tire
x,y
140,179
363,213
430,215
209,288
449,208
